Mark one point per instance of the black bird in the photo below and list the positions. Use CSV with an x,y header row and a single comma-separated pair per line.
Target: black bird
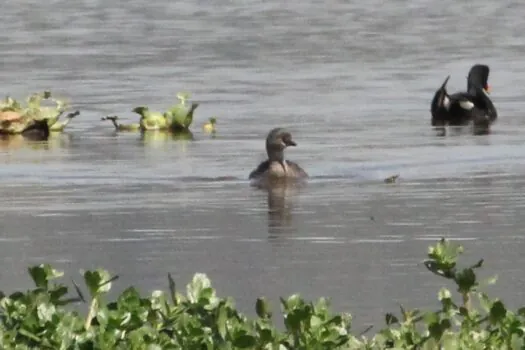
x,y
462,108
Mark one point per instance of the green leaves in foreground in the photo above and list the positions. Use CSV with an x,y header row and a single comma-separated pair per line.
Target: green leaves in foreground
x,y
199,319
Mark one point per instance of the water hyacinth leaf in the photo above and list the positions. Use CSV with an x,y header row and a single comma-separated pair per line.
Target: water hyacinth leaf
x,y
444,294
39,276
294,301
57,293
27,320
194,289
188,119
517,341
445,253
466,280
390,319
183,97
262,308
315,322
98,281
42,274
129,299
178,115
46,311
521,311
221,322
436,330
206,295
484,301
158,301
497,312
244,341
154,347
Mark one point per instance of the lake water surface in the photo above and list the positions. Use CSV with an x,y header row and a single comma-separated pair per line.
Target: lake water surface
x,y
351,80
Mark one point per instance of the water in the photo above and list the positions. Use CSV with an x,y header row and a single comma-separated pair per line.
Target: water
x,y
352,81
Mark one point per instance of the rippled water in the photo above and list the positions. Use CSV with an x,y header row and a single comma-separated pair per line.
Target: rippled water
x,y
351,80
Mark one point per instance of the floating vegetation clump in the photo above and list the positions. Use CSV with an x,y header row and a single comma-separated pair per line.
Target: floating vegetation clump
x,y
18,118
177,119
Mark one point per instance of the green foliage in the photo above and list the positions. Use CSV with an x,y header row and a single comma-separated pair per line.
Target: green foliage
x,y
177,119
199,319
35,109
180,116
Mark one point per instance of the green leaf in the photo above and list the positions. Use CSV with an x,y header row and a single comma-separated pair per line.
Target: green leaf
x,y
315,322
98,281
129,299
199,283
173,291
262,308
39,276
497,312
244,341
484,301
466,280
46,311
444,294
106,285
390,319
294,301
430,318
58,293
42,274
183,96
521,311
221,322
517,341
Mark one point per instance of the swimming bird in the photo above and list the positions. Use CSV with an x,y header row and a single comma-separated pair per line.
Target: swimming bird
x,y
462,108
276,168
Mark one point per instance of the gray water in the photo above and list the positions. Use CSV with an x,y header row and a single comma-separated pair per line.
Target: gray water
x,y
351,80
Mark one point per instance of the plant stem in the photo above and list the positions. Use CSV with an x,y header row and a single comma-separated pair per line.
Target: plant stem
x,y
91,314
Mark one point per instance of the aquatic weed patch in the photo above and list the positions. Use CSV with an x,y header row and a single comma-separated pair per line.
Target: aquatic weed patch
x,y
15,116
199,319
177,118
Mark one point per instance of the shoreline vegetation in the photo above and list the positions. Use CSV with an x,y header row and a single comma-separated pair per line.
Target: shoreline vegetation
x,y
198,319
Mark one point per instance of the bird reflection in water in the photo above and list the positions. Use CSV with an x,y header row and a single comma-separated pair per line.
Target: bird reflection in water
x,y
280,210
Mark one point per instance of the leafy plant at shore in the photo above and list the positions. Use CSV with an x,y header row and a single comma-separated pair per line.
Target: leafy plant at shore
x,y
199,319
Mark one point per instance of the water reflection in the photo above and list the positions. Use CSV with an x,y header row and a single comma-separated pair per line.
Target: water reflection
x,y
56,140
281,198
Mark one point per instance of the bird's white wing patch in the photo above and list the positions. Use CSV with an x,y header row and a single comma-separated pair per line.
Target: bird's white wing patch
x,y
446,102
467,105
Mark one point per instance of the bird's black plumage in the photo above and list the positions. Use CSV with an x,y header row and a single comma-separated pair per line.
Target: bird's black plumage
x,y
462,108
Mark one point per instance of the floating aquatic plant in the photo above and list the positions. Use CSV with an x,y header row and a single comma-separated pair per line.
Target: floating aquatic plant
x,y
177,118
15,118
